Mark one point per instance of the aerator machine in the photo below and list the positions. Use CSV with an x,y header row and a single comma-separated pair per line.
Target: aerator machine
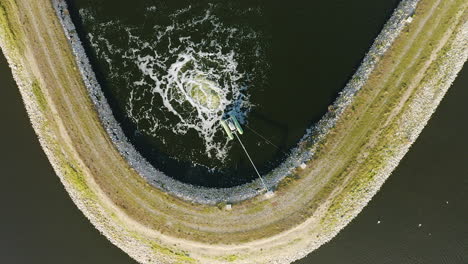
x,y
231,126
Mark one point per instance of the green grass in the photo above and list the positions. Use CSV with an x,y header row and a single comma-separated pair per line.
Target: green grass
x,y
128,191
229,258
177,255
389,142
40,98
9,29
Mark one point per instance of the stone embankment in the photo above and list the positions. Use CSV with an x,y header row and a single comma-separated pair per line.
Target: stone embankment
x,y
401,17
353,149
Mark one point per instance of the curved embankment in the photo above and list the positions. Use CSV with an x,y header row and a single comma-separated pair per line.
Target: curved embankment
x,y
302,154
350,163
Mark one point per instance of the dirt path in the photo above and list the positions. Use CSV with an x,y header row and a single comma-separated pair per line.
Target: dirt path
x,y
150,225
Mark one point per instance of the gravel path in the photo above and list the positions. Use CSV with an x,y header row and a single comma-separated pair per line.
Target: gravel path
x,y
235,194
356,146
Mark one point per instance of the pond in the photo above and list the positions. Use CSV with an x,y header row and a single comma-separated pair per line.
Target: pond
x,y
172,70
41,224
419,216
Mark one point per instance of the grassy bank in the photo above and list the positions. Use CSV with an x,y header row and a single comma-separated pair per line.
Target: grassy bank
x,y
309,207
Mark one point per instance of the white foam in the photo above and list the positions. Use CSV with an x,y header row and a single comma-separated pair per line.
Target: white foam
x,y
300,154
170,72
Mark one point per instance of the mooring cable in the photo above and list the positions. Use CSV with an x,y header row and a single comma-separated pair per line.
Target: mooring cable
x,y
258,134
268,141
248,156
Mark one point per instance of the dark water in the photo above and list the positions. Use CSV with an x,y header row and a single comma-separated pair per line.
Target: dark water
x,y
277,66
39,224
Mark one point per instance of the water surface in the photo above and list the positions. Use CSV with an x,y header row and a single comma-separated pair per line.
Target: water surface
x,y
172,70
40,224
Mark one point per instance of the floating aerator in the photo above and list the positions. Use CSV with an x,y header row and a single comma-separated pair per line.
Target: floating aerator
x,y
231,125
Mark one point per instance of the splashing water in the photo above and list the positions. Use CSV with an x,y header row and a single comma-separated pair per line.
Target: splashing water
x,y
187,76
199,89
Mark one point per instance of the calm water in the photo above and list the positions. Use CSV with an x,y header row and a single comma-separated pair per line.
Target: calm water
x,y
39,223
276,67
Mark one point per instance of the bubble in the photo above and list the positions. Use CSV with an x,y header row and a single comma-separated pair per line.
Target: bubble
x,y
185,77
